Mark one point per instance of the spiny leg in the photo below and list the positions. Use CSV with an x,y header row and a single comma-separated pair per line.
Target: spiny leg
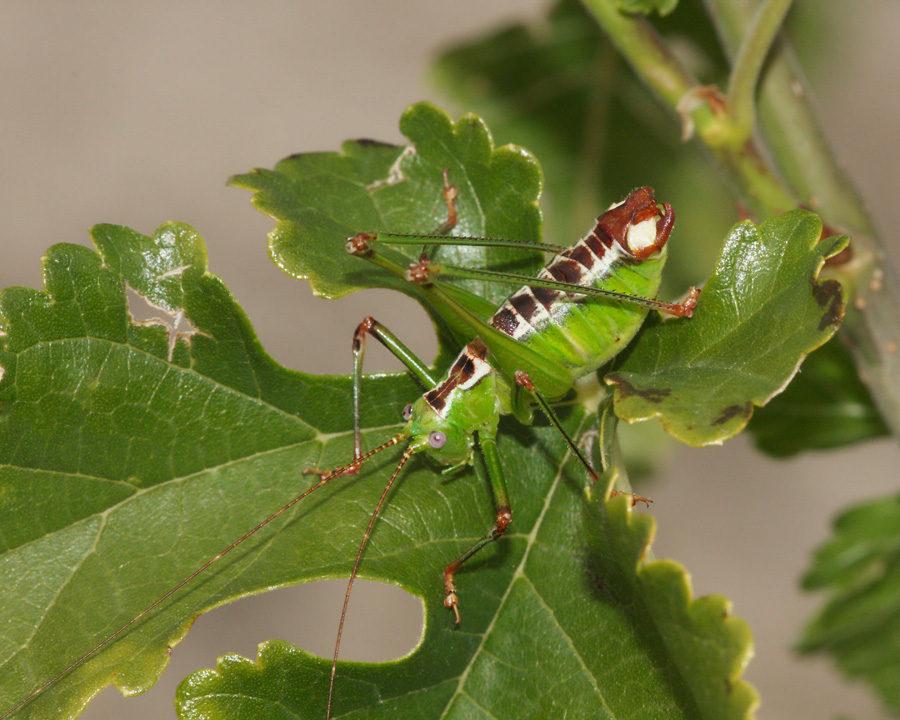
x,y
502,521
426,271
370,326
522,380
449,193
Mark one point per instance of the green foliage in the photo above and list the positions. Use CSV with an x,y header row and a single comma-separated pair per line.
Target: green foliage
x,y
559,87
859,569
825,406
700,635
131,455
758,316
321,199
589,604
668,373
134,452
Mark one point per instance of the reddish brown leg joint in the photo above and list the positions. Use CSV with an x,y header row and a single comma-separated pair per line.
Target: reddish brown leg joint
x,y
523,380
451,600
686,307
366,326
449,192
420,272
635,499
359,244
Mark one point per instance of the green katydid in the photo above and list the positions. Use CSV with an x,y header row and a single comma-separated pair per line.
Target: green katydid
x,y
578,313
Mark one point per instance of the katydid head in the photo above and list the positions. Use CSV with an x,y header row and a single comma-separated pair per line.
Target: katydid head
x,y
638,225
433,434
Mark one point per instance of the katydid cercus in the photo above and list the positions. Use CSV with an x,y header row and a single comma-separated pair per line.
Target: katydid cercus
x,y
575,315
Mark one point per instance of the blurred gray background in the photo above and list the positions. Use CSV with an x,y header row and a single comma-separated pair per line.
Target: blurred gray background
x,y
136,113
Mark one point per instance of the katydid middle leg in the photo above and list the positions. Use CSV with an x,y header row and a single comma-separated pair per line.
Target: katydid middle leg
x,y
491,457
522,380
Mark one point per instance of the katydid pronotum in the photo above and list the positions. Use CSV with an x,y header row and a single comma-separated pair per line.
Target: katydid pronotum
x,y
574,316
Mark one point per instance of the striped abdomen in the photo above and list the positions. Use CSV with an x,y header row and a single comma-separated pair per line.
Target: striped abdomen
x,y
624,253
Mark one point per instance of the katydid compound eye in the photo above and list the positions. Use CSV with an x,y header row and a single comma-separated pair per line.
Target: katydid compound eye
x,y
406,413
437,439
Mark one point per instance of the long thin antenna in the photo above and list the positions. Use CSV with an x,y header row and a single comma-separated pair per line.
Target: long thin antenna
x,y
324,480
362,545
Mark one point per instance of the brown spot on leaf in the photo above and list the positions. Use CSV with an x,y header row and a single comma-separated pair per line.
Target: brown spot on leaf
x,y
828,296
652,395
733,411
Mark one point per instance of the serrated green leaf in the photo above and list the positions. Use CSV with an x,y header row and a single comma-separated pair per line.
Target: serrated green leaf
x,y
582,628
130,453
825,406
320,199
558,86
709,647
859,569
218,476
759,315
133,454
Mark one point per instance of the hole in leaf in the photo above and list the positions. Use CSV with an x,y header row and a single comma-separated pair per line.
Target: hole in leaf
x,y
176,324
383,623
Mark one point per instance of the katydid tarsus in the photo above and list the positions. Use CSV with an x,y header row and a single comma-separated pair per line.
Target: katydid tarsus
x,y
575,315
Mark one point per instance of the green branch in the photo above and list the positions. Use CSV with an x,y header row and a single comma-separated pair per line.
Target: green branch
x,y
753,51
757,182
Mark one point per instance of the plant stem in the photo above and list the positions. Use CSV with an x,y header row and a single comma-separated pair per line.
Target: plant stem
x,y
804,157
790,126
757,182
748,65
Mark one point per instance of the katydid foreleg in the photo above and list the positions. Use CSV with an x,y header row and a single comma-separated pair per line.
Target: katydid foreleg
x,y
370,326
